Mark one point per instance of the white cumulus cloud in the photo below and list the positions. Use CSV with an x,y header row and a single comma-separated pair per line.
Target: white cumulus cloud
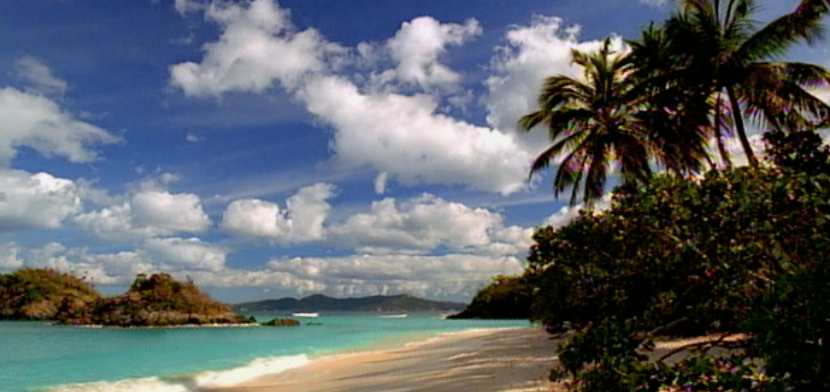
x,y
9,259
36,201
187,254
404,135
146,214
425,223
301,220
431,276
418,44
174,212
259,45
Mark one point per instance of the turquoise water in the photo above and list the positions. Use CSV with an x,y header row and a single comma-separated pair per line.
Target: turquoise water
x,y
42,357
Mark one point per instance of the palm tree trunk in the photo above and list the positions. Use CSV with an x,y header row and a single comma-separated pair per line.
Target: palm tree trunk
x,y
721,147
740,128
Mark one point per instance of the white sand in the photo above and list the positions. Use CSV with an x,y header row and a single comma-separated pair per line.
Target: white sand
x,y
515,360
511,360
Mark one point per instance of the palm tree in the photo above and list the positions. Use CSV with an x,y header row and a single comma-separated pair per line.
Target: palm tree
x,y
594,122
713,52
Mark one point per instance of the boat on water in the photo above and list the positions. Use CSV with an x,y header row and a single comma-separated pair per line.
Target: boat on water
x,y
305,314
403,315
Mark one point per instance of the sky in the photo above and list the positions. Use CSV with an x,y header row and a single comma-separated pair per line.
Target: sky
x,y
285,148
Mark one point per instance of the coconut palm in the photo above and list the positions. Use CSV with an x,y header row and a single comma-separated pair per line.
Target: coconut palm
x,y
595,122
713,51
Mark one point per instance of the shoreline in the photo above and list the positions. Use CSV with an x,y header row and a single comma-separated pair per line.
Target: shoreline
x,y
498,359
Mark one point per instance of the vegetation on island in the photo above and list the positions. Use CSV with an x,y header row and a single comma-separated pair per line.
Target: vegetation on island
x,y
691,244
157,300
154,301
281,322
41,294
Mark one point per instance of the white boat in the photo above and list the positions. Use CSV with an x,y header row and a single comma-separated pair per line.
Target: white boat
x,y
308,315
404,315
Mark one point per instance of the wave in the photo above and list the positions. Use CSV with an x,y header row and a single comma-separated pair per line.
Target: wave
x,y
207,379
145,384
254,369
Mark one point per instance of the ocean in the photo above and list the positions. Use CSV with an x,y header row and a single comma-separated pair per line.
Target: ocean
x,y
36,356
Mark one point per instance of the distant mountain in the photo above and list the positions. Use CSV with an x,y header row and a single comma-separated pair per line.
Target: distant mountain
x,y
379,303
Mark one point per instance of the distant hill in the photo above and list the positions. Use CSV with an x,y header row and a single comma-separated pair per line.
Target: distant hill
x,y
379,303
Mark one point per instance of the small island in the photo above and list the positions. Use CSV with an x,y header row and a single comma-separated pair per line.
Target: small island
x,y
157,300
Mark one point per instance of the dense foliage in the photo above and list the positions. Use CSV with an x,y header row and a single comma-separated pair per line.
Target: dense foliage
x,y
39,294
739,251
735,251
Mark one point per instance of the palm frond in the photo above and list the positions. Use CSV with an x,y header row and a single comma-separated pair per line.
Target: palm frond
x,y
775,93
778,36
569,142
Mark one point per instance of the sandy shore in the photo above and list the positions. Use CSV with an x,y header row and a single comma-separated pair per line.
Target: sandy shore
x,y
485,360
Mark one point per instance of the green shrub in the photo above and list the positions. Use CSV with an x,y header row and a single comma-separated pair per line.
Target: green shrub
x,y
507,297
740,251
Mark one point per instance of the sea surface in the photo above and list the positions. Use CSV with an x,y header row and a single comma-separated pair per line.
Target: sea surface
x,y
36,356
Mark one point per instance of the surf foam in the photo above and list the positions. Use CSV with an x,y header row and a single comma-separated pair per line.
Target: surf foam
x,y
206,379
256,368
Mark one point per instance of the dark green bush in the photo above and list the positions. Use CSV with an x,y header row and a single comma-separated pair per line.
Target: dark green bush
x,y
507,297
725,254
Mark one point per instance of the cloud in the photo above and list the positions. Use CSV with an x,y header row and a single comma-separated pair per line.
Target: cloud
x,y
450,275
154,255
36,201
417,46
184,7
174,212
117,268
380,182
9,259
423,224
184,254
259,46
146,214
567,213
39,77
431,276
302,219
35,121
654,3
403,135
192,137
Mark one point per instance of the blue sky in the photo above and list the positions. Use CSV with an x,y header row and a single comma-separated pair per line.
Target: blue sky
x,y
270,148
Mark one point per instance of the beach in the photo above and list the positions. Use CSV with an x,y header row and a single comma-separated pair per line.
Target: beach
x,y
515,360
